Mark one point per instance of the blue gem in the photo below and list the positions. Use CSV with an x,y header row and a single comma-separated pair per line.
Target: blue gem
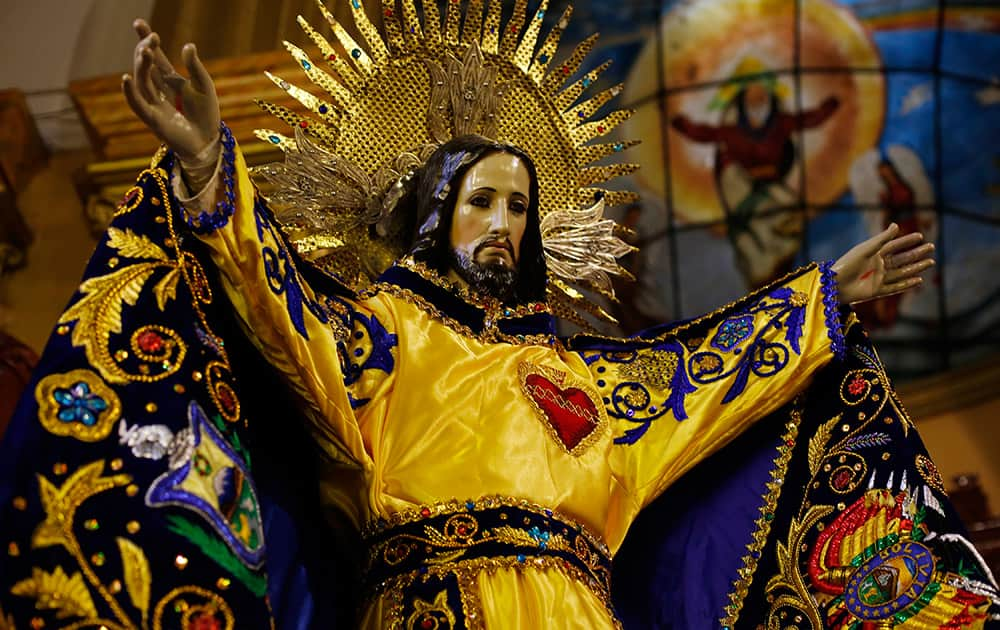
x,y
630,413
587,81
521,558
79,404
356,53
607,401
600,369
306,65
600,383
580,114
356,4
548,512
619,147
543,58
323,109
274,139
422,570
540,14
469,505
652,409
358,352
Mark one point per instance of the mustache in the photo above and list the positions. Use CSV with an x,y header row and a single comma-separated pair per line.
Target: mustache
x,y
495,242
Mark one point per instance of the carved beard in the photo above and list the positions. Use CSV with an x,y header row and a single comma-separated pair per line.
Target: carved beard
x,y
495,279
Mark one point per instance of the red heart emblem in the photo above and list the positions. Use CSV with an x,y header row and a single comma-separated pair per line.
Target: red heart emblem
x,y
570,412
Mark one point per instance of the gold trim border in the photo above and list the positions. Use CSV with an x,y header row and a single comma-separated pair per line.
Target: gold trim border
x,y
741,585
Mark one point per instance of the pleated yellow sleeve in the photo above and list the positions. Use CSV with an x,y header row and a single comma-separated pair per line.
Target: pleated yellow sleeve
x,y
677,396
334,353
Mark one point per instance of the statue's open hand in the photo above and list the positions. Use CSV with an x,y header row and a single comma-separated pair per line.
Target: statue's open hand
x,y
183,113
883,265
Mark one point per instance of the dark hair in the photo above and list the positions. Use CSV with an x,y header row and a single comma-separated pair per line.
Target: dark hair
x,y
431,201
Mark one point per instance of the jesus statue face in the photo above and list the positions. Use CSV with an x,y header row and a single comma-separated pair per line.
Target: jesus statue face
x,y
488,224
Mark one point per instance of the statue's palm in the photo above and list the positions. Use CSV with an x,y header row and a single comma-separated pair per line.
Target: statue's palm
x,y
183,113
883,265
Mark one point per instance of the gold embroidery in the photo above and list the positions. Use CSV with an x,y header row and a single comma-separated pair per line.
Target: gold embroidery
x,y
77,404
67,595
191,614
424,613
789,577
392,593
6,622
741,586
60,505
98,312
138,578
128,205
817,445
655,368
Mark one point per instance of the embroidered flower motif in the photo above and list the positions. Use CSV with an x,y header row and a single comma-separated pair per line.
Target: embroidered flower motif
x,y
733,332
78,404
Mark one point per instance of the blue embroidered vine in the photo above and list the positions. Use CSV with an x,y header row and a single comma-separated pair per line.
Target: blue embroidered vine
x,y
282,276
831,309
207,222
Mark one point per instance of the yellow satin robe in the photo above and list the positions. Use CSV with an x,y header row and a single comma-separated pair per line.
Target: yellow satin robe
x,y
451,420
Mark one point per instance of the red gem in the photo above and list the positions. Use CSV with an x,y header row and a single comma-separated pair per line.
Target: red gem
x,y
304,124
427,623
565,69
539,307
204,621
331,57
425,512
150,341
790,443
857,386
130,196
513,30
600,128
841,479
462,530
388,13
226,399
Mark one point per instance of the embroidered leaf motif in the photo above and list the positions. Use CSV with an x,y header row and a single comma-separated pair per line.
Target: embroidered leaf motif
x,y
817,445
166,288
98,314
135,567
6,621
68,595
60,503
132,245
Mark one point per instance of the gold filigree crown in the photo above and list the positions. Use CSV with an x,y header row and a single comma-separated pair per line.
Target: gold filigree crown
x,y
388,103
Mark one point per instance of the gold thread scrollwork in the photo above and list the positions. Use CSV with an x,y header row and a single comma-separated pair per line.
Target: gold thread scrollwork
x,y
98,313
789,579
436,615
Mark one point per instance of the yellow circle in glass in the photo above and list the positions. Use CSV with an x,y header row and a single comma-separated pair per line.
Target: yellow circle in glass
x,y
735,61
